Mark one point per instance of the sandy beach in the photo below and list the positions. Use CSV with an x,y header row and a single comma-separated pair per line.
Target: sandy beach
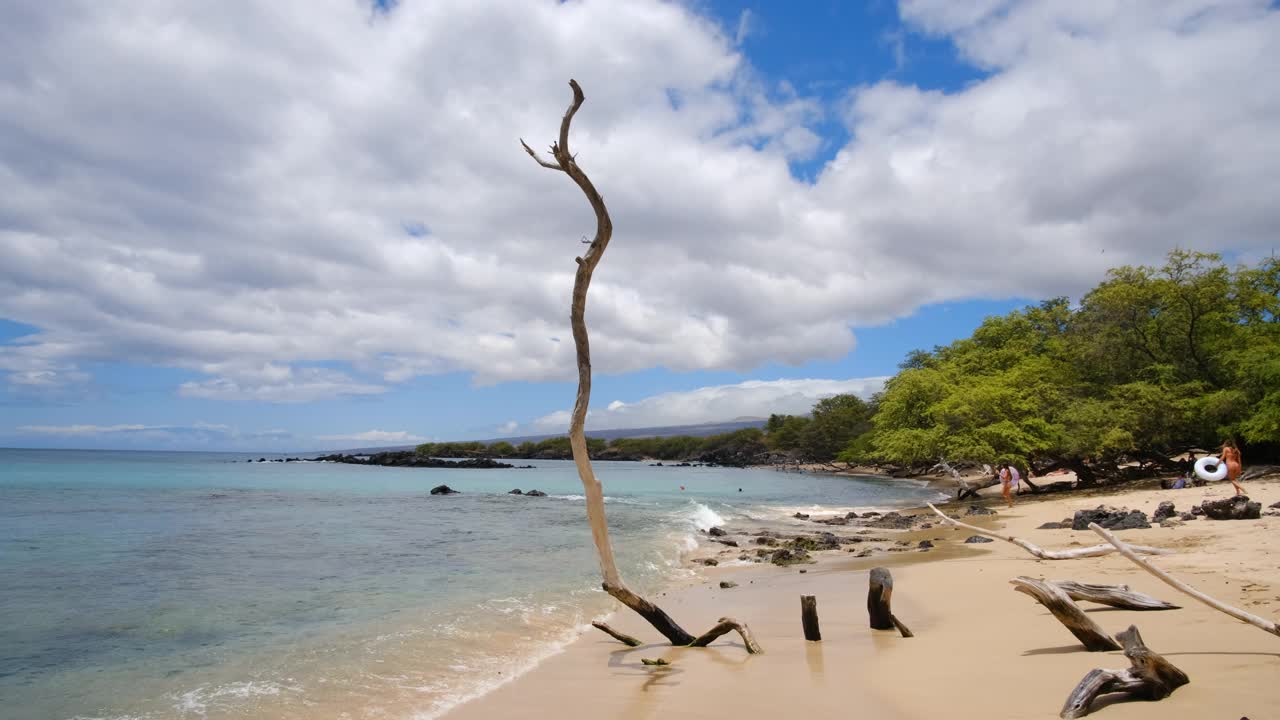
x,y
981,650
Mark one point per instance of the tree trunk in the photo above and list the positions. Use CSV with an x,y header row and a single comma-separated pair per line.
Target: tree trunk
x,y
809,617
1149,677
970,489
879,597
565,162
1067,612
1117,596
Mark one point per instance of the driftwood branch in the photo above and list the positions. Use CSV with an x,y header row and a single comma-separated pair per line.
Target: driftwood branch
x,y
565,161
1067,612
724,626
1117,596
623,638
1149,677
809,618
1127,550
879,605
1036,550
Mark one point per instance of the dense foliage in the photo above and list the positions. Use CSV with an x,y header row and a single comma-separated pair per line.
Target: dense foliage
x,y
1153,362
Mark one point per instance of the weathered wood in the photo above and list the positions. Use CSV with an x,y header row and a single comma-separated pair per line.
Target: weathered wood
x,y
1149,677
1117,596
1056,601
809,617
970,489
620,637
1037,551
727,625
565,161
1128,551
879,602
660,621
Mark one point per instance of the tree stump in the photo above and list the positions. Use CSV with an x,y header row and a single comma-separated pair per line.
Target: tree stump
x,y
809,617
879,595
1056,600
1150,677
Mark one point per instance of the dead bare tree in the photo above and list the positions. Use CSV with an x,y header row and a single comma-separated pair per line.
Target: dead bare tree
x,y
564,161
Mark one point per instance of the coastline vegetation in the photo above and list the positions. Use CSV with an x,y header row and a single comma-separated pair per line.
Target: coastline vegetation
x,y
1153,362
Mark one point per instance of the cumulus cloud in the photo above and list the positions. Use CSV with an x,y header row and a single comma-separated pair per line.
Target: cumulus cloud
x,y
718,403
376,436
193,436
250,190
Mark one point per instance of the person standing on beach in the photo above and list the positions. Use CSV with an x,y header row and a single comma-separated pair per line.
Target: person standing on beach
x,y
1006,483
1231,456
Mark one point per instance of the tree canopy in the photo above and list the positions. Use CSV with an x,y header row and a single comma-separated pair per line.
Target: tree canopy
x,y
1153,361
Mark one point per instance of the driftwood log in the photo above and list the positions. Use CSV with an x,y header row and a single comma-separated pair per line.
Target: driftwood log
x,y
623,638
970,488
562,160
1037,551
1149,677
1056,601
726,625
1116,596
1127,550
879,597
809,617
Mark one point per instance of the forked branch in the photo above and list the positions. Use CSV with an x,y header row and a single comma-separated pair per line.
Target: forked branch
x,y
564,160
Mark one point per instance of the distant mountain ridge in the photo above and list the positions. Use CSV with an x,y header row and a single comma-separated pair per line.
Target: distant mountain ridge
x,y
700,430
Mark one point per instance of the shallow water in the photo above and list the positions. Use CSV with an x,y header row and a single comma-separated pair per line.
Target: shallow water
x,y
187,585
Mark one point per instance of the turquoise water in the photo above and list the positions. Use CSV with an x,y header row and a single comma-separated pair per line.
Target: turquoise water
x,y
187,585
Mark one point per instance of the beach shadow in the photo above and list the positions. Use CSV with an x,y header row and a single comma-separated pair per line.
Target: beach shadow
x,y
1059,650
813,656
627,662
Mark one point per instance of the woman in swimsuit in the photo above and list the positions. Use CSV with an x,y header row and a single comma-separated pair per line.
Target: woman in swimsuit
x,y
1006,483
1231,456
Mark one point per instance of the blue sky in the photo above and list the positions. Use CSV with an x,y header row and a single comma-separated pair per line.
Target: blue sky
x,y
336,242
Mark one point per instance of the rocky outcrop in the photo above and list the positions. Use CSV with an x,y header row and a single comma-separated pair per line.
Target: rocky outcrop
x,y
1232,508
535,493
408,458
785,556
443,490
1110,518
717,532
979,510
894,521
977,539
726,584
515,492
1163,511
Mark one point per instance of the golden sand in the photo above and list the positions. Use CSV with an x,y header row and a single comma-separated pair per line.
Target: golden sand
x,y
981,650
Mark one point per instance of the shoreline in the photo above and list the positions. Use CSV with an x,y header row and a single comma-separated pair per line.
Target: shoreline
x,y
977,639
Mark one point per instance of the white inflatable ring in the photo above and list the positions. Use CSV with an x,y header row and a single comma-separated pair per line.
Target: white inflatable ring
x,y
1202,469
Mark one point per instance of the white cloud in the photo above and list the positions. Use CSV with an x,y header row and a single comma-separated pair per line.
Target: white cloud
x,y
719,403
197,435
508,427
747,26
376,436
84,429
278,384
248,190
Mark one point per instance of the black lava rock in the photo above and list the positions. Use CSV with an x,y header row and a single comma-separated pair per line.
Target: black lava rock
x,y
1110,518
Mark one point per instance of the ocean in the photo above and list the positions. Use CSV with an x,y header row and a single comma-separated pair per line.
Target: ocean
x,y
140,585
